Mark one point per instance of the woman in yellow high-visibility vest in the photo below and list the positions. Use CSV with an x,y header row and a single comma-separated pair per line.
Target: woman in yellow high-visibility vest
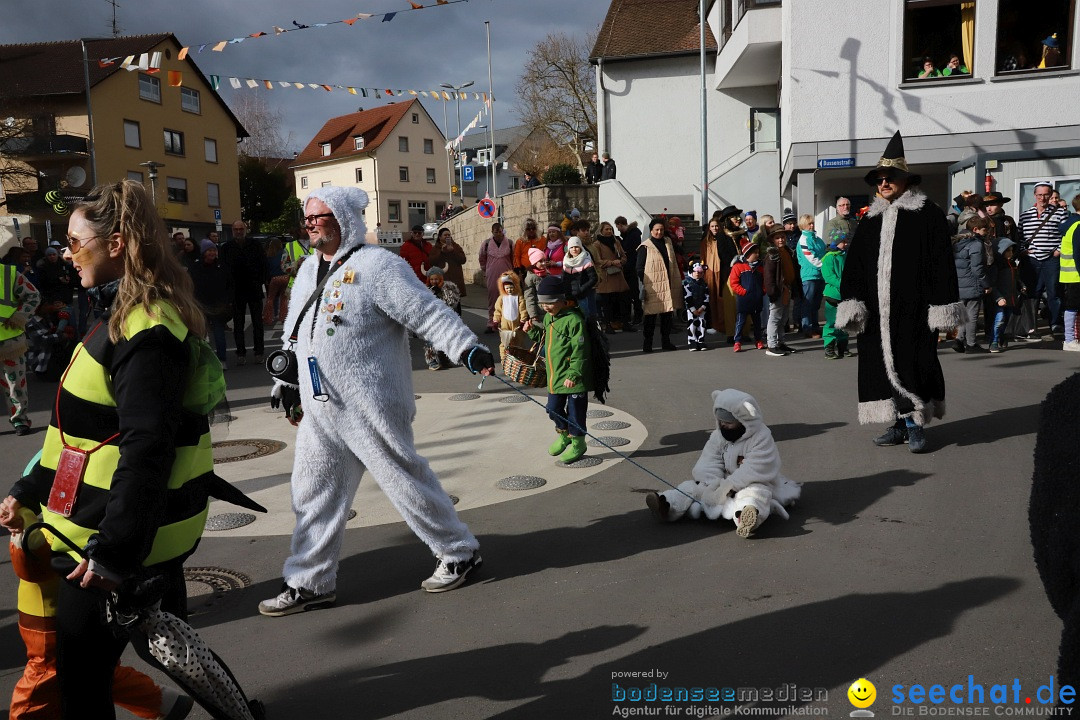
x,y
126,466
1069,277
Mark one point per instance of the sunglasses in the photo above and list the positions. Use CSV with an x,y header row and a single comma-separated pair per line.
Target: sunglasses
x,y
883,180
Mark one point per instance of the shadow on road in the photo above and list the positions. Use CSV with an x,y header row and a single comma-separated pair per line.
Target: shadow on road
x,y
984,429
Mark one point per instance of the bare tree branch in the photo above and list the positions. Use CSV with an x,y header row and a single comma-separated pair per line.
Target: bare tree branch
x,y
263,124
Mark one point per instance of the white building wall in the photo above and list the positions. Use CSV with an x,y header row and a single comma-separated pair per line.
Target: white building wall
x,y
844,83
654,128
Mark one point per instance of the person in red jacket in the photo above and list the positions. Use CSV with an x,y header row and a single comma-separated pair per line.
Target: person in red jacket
x,y
419,253
748,282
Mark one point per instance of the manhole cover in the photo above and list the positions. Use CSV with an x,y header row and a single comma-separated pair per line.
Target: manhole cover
x,y
237,450
229,521
206,586
582,463
520,482
352,514
455,499
611,425
464,396
611,440
514,399
599,413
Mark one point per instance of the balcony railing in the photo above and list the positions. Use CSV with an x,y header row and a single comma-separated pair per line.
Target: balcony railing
x,y
44,145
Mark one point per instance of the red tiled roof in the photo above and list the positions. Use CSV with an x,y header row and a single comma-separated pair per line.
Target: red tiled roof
x,y
56,68
635,28
375,125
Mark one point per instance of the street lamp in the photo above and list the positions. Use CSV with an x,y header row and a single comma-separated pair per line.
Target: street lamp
x,y
457,100
151,172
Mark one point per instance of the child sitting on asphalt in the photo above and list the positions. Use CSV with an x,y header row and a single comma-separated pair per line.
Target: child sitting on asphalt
x,y
568,359
696,297
748,284
738,474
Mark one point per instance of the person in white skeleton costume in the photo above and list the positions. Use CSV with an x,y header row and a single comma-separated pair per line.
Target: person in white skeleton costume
x,y
738,474
351,394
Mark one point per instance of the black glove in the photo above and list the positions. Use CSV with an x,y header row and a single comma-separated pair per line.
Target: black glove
x,y
284,396
478,359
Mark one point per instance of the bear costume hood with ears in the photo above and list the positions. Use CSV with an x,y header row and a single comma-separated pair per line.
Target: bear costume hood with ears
x,y
347,204
741,405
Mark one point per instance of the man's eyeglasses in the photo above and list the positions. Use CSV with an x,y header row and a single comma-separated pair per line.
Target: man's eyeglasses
x,y
882,180
75,244
1042,194
314,219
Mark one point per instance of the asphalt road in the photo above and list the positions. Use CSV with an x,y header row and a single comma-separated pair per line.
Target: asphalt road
x,y
903,569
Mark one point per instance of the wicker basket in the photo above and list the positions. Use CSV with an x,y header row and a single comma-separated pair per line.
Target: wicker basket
x,y
524,367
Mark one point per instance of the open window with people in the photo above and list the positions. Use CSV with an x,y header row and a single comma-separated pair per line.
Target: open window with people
x,y
939,39
1032,41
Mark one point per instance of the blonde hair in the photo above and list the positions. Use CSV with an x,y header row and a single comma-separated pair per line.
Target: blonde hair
x,y
804,221
152,272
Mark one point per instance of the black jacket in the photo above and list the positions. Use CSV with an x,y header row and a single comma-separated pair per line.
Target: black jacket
x,y
248,265
593,171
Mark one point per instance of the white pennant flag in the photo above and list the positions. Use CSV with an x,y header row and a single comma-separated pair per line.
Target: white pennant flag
x,y
155,60
235,82
127,64
144,62
282,83
251,83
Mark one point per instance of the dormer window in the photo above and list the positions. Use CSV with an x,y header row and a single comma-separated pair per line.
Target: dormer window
x,y
358,142
325,149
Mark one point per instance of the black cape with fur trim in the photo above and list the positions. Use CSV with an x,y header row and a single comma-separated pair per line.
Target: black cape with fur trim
x,y
900,279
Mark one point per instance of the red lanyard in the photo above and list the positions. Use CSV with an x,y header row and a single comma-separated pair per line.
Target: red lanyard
x,y
59,426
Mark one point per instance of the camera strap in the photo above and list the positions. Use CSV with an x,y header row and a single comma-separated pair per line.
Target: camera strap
x,y
318,291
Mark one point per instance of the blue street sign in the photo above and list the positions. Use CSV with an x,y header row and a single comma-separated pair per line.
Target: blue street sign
x,y
217,214
829,163
468,173
486,208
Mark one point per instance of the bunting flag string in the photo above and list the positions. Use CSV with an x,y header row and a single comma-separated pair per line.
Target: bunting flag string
x,y
472,124
220,45
367,91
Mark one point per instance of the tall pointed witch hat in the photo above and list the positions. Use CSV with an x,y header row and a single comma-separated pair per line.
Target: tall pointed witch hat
x,y
893,164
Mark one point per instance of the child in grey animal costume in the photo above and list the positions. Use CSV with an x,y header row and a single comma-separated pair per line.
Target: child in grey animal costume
x,y
738,474
358,332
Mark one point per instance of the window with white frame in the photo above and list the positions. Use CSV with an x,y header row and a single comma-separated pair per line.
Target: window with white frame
x,y
416,118
131,134
359,175
210,149
393,211
431,176
483,156
1068,187
939,39
176,189
150,88
189,100
135,176
326,183
325,148
303,181
358,142
213,194
1031,40
403,174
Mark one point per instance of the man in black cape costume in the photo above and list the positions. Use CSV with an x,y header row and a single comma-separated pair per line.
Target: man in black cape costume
x,y
897,291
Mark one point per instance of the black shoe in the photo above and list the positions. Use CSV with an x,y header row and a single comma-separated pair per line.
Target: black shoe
x,y
843,350
958,346
786,348
916,439
893,436
975,349
646,348
830,352
658,505
775,351
668,346
22,429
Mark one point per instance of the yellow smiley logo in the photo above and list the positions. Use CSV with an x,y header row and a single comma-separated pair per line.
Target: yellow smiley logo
x,y
862,693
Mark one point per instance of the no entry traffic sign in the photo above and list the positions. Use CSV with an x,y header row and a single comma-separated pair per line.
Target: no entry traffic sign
x,y
486,208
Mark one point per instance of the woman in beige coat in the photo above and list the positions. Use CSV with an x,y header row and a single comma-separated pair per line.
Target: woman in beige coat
x,y
611,288
661,286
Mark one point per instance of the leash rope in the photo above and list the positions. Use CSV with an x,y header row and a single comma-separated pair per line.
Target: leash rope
x,y
589,434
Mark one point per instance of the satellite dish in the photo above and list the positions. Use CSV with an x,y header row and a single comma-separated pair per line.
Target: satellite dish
x,y
75,176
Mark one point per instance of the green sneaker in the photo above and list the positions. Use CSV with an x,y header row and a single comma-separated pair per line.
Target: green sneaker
x,y
576,451
560,444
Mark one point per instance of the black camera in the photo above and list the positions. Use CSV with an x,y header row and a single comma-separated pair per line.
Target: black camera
x,y
282,365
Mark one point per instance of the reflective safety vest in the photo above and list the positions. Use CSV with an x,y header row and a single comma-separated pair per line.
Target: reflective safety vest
x,y
293,250
1068,273
87,412
9,304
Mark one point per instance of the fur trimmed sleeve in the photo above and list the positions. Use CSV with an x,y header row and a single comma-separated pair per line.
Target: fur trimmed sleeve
x,y
851,316
945,317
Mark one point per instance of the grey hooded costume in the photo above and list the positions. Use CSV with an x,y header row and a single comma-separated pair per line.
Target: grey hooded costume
x,y
358,331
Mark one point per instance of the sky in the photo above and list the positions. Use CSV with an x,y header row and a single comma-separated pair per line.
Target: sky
x,y
421,49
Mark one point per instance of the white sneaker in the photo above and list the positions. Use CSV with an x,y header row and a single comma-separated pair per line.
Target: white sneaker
x,y
449,575
711,331
1071,346
293,600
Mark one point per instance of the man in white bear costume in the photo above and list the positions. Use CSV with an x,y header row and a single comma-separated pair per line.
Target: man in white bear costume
x,y
357,332
738,474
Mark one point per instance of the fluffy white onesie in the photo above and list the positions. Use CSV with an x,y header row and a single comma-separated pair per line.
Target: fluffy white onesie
x,y
358,331
731,475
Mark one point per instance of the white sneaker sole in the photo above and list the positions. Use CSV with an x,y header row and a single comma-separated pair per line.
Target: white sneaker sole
x,y
456,583
315,603
747,521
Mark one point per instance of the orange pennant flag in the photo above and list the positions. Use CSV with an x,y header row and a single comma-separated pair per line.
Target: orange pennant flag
x,y
327,88
443,2
176,78
257,34
152,71
269,85
350,21
183,54
416,6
